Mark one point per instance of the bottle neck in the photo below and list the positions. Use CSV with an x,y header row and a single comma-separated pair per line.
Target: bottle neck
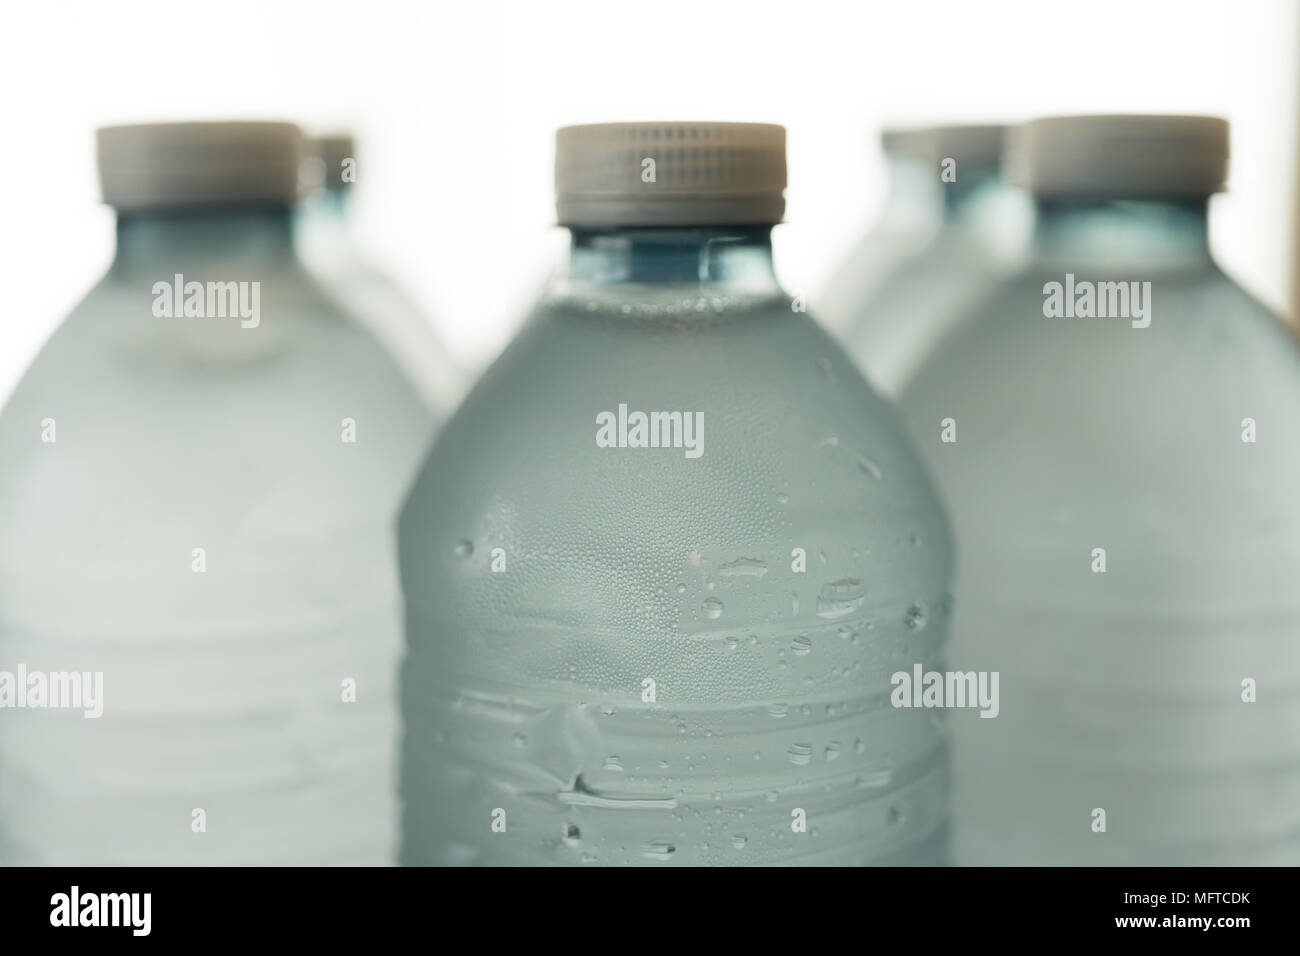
x,y
914,195
963,197
230,235
1162,233
334,200
737,258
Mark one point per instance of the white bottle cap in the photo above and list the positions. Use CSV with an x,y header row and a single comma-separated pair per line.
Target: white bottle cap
x,y
1124,157
973,146
183,164
331,150
670,174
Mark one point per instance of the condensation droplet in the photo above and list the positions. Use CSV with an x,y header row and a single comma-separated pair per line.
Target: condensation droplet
x,y
744,567
841,597
800,754
869,467
658,850
801,645
915,618
712,608
464,548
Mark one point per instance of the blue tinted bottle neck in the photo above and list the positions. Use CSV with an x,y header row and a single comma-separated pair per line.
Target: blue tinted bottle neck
x,y
963,196
1166,233
334,201
199,234
739,257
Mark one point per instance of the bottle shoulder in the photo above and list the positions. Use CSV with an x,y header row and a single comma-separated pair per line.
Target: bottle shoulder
x,y
749,429
125,372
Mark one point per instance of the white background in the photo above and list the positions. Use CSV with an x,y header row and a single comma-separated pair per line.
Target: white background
x,y
456,104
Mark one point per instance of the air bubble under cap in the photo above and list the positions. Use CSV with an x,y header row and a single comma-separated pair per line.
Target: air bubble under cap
x,y
670,174
180,164
1123,157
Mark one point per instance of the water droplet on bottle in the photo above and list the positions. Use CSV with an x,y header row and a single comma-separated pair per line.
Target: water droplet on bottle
x,y
744,567
894,817
778,710
869,467
519,740
658,850
732,642
614,764
782,498
801,645
915,618
739,841
681,588
841,597
572,835
712,608
833,750
800,754
464,548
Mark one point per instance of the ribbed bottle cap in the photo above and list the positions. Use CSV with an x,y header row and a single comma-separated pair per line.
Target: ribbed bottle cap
x,y
178,164
1127,157
332,150
670,174
973,146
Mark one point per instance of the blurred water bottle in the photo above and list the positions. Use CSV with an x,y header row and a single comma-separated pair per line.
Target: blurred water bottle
x,y
664,560
1117,433
890,321
909,219
197,480
324,240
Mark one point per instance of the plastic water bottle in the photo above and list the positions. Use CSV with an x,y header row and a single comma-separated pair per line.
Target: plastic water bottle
x,y
198,476
1117,434
662,563
909,219
323,237
889,325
